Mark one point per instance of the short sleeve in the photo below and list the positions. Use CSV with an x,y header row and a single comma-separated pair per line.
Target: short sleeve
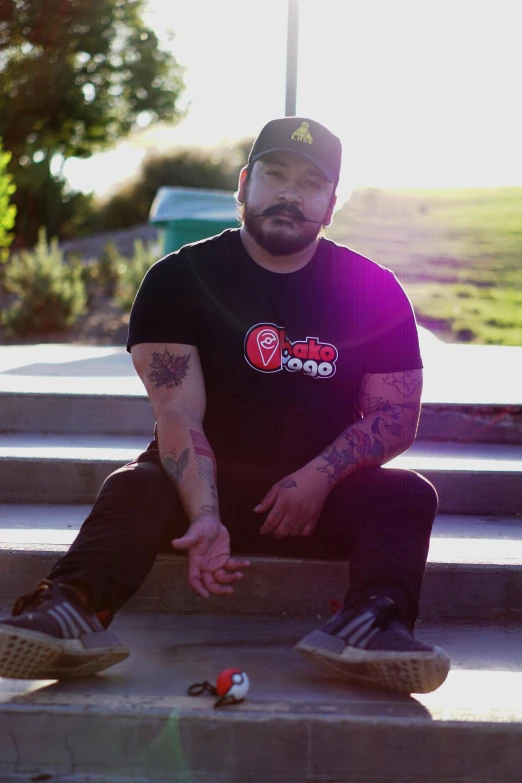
x,y
391,342
165,308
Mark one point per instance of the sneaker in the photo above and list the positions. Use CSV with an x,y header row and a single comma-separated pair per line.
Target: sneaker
x,y
373,646
51,636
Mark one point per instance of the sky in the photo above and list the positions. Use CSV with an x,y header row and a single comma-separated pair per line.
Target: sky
x,y
422,94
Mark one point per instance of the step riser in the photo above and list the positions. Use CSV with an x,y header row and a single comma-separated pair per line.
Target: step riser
x,y
96,415
275,587
68,481
242,746
106,415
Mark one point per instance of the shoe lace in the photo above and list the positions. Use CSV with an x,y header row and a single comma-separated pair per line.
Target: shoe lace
x,y
38,593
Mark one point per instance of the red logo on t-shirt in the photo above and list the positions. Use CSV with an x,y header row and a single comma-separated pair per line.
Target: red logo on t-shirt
x,y
268,349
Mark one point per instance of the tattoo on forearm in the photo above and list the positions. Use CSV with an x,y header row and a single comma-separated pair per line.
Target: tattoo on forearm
x,y
289,483
359,447
168,370
406,383
207,468
363,447
175,468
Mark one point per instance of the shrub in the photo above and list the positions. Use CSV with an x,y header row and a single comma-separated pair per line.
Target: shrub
x,y
109,267
133,273
7,210
48,294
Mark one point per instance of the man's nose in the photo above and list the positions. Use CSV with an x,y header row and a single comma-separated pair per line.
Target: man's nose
x,y
290,193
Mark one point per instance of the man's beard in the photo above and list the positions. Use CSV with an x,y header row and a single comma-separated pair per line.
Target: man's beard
x,y
278,242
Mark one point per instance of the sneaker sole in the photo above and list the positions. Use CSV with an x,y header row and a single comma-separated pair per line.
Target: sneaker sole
x,y
403,672
32,655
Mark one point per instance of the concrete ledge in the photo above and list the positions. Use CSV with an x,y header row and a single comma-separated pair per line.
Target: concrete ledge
x,y
470,478
109,413
297,725
284,586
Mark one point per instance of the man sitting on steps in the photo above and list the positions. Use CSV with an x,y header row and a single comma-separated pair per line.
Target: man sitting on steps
x,y
289,368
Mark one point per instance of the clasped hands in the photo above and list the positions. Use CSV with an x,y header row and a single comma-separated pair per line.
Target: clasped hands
x,y
294,505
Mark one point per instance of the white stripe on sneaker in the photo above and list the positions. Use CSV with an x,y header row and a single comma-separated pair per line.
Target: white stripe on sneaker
x,y
79,619
60,622
70,621
354,625
357,636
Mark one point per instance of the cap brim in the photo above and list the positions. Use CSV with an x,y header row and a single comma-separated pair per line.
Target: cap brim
x,y
328,174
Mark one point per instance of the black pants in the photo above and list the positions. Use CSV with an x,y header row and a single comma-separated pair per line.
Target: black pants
x,y
380,519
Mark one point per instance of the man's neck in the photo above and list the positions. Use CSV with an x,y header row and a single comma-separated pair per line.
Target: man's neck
x,y
291,263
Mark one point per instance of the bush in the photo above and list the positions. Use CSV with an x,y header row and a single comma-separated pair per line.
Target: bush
x,y
7,210
109,268
187,167
48,294
133,273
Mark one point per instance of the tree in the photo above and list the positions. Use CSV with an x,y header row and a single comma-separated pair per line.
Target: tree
x,y
75,76
7,210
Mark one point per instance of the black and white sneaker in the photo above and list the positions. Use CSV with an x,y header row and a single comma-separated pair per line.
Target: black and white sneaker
x,y
372,646
51,635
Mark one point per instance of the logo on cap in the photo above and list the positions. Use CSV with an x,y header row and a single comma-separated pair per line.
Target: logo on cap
x,y
303,134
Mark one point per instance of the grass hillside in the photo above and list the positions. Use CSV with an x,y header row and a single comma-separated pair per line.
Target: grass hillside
x,y
458,253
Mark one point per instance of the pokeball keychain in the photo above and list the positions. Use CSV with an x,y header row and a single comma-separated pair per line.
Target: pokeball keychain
x,y
231,687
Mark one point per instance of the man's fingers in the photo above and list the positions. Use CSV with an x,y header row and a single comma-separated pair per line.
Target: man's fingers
x,y
267,502
284,528
225,578
195,582
272,521
213,586
233,565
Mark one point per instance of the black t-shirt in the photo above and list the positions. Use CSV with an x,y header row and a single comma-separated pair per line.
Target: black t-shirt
x,y
282,354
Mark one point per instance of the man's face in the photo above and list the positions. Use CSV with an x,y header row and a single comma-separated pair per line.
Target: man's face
x,y
284,188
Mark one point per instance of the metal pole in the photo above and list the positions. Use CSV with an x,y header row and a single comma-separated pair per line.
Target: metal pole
x,y
292,43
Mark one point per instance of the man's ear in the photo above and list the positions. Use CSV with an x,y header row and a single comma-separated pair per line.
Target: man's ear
x,y
241,188
329,211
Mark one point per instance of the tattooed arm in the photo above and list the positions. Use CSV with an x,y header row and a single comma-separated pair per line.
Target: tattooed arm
x,y
390,404
173,379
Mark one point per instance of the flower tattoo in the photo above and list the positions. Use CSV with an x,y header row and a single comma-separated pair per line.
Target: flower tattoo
x,y
168,370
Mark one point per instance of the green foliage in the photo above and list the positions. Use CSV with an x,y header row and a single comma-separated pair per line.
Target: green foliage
x,y
110,266
75,77
456,251
189,167
132,274
48,294
7,210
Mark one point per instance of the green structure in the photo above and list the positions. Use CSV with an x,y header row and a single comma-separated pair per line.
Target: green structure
x,y
189,214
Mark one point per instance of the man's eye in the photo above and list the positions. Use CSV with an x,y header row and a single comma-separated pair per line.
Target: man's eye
x,y
274,173
313,183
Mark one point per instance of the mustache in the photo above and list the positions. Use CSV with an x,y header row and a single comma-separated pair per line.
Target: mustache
x,y
288,209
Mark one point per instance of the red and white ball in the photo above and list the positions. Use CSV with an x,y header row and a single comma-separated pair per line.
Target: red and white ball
x,y
232,684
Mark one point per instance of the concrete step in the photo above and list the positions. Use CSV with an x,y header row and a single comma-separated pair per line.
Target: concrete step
x,y
470,478
474,570
114,412
72,388
136,721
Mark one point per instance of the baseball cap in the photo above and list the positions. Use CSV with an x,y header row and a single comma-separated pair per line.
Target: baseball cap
x,y
304,136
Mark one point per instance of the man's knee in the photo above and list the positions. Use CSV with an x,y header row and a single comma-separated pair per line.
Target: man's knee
x,y
410,487
143,483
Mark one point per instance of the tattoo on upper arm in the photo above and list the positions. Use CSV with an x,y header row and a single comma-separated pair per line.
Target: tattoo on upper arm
x,y
175,468
168,370
406,383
